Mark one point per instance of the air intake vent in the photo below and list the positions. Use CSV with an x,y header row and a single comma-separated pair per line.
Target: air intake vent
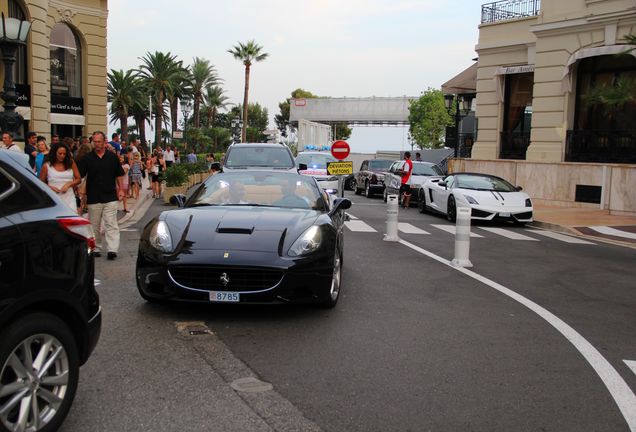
x,y
588,194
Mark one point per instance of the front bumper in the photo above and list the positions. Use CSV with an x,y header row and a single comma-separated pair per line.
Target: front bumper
x,y
515,214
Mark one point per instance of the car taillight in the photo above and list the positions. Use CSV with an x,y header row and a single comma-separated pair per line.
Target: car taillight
x,y
79,227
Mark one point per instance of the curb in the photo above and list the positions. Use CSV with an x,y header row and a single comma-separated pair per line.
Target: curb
x,y
573,231
142,199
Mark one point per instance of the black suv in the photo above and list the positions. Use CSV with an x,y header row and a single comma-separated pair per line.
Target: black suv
x,y
50,317
241,156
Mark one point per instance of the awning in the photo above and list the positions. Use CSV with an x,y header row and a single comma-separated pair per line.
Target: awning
x,y
464,82
566,78
501,73
67,119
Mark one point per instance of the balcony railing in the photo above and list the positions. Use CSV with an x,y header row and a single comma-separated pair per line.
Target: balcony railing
x,y
514,145
607,146
509,9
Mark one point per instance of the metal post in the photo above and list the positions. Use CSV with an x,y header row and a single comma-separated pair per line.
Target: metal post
x,y
462,238
10,119
457,120
392,219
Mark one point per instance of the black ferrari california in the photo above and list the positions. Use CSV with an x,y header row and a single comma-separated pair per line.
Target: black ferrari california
x,y
246,237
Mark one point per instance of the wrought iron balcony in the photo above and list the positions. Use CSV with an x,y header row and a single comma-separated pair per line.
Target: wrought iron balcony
x,y
514,145
607,146
509,9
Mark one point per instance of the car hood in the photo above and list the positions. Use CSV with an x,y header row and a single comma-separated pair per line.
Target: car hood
x,y
258,229
496,199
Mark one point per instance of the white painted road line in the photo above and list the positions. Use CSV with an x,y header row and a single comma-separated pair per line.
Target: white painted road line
x,y
618,388
631,364
561,237
352,217
508,234
407,228
359,226
613,232
451,229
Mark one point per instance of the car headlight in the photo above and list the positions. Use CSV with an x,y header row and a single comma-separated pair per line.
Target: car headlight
x,y
160,237
528,202
307,243
470,199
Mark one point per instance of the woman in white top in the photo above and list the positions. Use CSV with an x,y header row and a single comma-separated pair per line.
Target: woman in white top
x,y
61,174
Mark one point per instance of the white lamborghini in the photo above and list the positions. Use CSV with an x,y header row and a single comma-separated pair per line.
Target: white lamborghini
x,y
489,197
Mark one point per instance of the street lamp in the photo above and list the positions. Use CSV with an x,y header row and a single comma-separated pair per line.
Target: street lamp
x,y
13,33
186,107
466,101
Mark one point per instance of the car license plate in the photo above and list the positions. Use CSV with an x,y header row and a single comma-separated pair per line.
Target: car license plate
x,y
222,296
504,214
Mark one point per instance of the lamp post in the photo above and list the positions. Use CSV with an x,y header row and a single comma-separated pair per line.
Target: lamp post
x,y
237,126
186,107
13,33
466,101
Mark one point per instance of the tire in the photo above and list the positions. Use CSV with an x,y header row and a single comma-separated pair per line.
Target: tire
x,y
451,209
421,202
367,190
356,190
29,335
385,196
336,280
351,184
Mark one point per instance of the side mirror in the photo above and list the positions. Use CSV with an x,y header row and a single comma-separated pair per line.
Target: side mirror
x,y
302,167
442,183
340,204
519,188
178,200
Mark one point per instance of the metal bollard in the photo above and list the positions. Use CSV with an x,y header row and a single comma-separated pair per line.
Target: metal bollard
x,y
462,238
392,219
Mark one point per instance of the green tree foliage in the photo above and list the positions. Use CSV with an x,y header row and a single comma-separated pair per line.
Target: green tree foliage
x,y
259,120
428,119
123,89
343,131
247,53
214,101
203,78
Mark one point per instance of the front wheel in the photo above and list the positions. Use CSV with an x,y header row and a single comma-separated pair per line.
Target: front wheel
x,y
421,201
39,373
367,190
334,289
351,184
451,209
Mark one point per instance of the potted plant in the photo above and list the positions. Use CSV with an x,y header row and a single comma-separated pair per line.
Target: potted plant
x,y
176,178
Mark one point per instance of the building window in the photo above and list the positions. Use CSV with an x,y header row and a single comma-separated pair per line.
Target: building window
x,y
515,135
66,72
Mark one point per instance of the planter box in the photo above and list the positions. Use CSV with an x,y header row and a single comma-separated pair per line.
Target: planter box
x,y
169,191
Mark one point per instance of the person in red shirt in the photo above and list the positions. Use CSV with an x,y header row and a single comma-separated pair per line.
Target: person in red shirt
x,y
405,172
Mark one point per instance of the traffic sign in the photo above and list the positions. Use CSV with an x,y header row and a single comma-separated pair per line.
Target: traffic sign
x,y
340,149
340,168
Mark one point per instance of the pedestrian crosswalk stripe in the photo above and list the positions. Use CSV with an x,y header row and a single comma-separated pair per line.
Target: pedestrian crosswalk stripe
x,y
451,229
508,234
352,217
631,364
613,232
561,237
407,228
358,225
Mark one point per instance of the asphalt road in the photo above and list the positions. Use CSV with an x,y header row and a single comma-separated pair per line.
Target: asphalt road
x,y
413,345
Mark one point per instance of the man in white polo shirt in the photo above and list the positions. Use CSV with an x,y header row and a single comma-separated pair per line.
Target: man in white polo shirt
x,y
168,156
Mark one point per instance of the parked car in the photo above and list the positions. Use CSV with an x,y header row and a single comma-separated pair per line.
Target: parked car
x,y
262,156
422,171
50,316
489,197
246,237
314,163
370,178
350,182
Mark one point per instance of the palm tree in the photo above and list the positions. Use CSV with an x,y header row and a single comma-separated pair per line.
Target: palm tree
x,y
160,73
122,90
247,53
181,89
214,100
202,78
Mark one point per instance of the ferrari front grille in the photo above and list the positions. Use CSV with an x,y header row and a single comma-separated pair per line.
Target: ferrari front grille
x,y
218,278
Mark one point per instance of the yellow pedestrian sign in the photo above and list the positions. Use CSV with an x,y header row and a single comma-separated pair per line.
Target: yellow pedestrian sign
x,y
340,168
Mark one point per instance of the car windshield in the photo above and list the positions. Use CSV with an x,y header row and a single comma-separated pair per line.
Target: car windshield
x,y
259,156
315,160
483,182
426,170
256,188
380,164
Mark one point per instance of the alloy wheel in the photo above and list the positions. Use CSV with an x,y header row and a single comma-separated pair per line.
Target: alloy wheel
x,y
451,210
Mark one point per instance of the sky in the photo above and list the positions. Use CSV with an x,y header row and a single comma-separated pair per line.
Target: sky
x,y
344,48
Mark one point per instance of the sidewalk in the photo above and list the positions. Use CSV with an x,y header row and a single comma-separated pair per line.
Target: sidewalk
x,y
134,206
594,223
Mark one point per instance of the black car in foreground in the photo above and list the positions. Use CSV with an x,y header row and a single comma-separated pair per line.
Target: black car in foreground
x,y
50,317
246,237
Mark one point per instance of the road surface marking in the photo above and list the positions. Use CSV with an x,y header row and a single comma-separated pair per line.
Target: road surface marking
x,y
508,234
98,282
618,388
561,237
613,232
631,364
407,228
359,226
451,229
352,216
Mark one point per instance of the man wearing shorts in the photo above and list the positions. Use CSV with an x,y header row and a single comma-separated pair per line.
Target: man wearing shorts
x,y
405,172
